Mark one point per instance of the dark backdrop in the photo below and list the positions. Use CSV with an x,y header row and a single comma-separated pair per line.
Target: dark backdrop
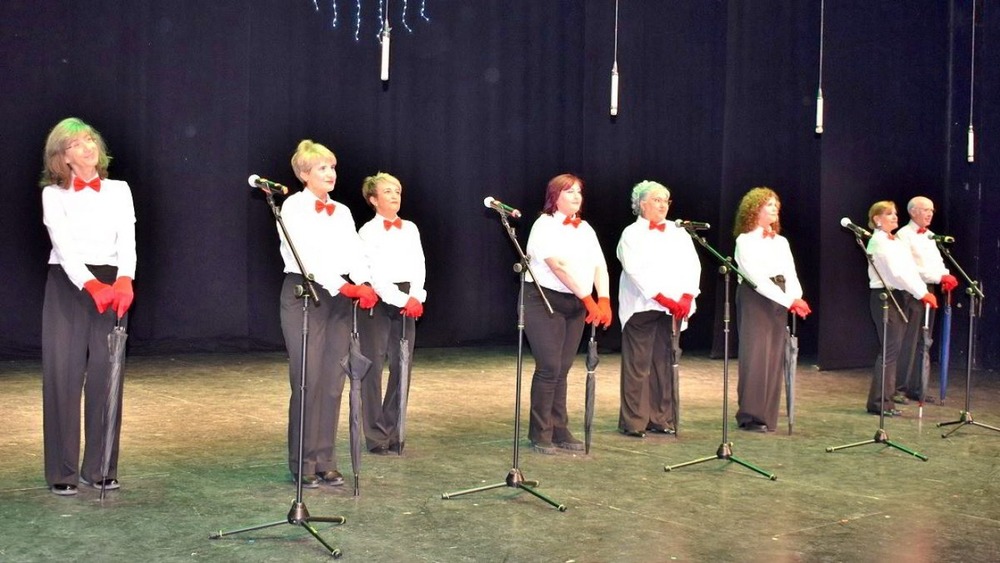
x,y
494,98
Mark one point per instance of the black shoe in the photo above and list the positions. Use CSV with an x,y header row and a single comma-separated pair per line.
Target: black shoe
x,y
570,443
663,431
308,481
108,484
633,433
754,427
900,399
332,478
63,490
380,450
547,448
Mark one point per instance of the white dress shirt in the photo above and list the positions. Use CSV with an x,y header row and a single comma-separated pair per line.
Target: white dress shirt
x,y
394,255
90,227
328,244
577,246
762,258
925,252
655,262
893,259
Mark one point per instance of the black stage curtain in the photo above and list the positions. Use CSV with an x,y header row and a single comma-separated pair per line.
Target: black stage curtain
x,y
494,98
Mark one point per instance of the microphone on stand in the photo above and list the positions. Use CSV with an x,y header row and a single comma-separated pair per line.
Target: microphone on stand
x,y
692,225
859,231
267,185
501,207
945,239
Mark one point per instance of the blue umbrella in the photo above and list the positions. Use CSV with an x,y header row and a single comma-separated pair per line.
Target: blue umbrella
x,y
945,352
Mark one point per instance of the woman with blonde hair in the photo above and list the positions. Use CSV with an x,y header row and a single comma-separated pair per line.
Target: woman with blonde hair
x,y
324,235
91,223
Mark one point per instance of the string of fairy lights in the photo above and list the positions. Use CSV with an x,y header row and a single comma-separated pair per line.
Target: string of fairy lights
x,y
381,13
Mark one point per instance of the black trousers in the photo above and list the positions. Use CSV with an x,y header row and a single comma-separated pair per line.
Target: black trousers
x,y
329,341
761,324
75,359
554,341
647,372
381,335
911,357
893,331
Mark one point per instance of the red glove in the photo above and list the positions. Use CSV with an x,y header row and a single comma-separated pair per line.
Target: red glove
x,y
929,299
800,307
593,312
364,294
948,283
604,305
413,308
123,295
684,305
102,294
670,304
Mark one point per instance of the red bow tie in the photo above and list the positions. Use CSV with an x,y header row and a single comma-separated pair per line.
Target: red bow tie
x,y
768,233
321,207
572,221
921,230
659,227
94,184
398,223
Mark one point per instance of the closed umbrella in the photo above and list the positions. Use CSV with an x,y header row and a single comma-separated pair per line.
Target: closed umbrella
x,y
791,365
675,352
116,353
404,384
588,405
944,354
925,356
356,365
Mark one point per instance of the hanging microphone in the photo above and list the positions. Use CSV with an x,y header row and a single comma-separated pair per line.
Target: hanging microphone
x,y
859,231
267,185
941,238
692,225
497,205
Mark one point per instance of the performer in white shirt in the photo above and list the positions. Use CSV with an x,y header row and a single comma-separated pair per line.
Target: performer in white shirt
x,y
395,260
917,235
566,257
91,223
894,261
762,313
324,235
659,282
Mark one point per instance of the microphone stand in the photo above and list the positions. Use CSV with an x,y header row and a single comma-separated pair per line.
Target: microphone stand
x,y
881,437
515,478
725,450
975,309
299,514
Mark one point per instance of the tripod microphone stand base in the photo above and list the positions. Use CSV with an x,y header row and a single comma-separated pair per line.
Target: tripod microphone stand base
x,y
880,438
297,516
725,452
515,479
964,420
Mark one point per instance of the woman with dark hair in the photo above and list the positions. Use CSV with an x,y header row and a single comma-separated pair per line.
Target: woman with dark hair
x,y
91,223
762,313
895,263
566,257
